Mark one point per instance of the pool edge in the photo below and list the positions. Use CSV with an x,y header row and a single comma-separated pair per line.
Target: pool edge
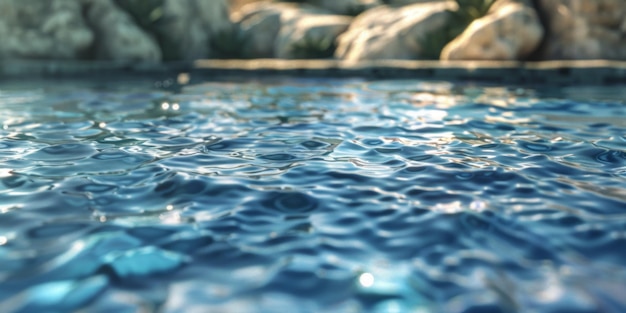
x,y
543,72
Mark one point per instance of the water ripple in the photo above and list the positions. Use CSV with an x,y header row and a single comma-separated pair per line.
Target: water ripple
x,y
318,195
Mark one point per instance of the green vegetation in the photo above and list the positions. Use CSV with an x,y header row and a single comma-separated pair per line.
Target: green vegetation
x,y
468,11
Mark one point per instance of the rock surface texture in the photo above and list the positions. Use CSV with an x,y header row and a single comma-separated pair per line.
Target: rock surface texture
x,y
352,30
43,29
584,29
118,37
393,33
191,27
310,36
511,31
260,23
345,7
406,2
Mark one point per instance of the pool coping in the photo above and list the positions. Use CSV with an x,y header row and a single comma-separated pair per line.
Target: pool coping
x,y
543,72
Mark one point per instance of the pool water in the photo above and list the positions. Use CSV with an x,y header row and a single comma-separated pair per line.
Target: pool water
x,y
310,195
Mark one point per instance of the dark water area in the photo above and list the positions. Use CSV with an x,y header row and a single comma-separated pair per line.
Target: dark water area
x,y
306,195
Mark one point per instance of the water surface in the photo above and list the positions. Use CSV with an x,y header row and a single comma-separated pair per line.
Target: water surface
x,y
312,196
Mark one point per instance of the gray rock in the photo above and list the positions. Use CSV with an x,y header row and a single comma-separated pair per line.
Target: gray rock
x,y
52,29
191,27
345,7
259,24
510,31
394,33
584,29
310,36
118,37
407,2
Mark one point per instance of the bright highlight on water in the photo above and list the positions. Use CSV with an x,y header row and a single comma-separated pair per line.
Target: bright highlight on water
x,y
366,280
312,195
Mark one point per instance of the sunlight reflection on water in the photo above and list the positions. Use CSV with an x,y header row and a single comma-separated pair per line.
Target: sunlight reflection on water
x,y
313,195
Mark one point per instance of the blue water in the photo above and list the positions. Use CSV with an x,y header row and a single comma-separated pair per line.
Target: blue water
x,y
311,196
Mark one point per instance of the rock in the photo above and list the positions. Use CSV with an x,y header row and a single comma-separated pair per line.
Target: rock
x,y
260,22
345,7
190,28
118,37
52,29
583,29
394,33
310,36
407,2
511,31
498,4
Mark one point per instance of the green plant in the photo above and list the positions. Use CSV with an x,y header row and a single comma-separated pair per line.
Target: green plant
x,y
473,9
467,12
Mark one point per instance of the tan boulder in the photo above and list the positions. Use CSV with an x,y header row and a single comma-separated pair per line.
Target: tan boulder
x,y
388,32
511,31
585,29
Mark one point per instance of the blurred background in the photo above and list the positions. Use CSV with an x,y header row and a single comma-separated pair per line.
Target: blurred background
x,y
236,4
351,30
